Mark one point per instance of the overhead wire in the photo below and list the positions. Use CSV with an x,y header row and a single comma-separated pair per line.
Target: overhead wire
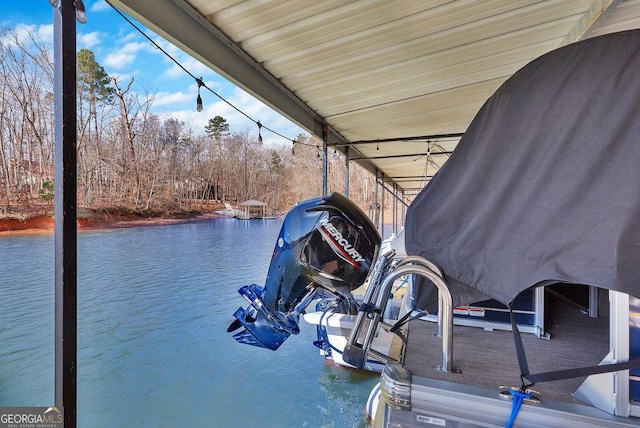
x,y
201,83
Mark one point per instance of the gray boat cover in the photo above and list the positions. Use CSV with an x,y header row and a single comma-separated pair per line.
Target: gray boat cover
x,y
544,186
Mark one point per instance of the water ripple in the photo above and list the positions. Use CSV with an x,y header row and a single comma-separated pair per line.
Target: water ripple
x,y
153,307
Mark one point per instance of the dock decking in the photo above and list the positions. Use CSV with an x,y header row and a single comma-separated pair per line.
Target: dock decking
x,y
488,358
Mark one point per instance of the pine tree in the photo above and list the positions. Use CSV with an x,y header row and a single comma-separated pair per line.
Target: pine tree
x,y
94,86
217,127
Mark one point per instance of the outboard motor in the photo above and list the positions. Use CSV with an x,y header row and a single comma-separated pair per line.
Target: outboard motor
x,y
325,244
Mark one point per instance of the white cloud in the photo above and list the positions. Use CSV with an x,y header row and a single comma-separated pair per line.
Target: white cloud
x,y
89,40
128,37
237,121
194,66
45,33
178,91
134,47
99,6
124,55
257,110
118,59
23,34
23,31
164,44
169,99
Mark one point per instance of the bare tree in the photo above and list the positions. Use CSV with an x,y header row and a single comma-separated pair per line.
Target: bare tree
x,y
132,107
26,80
128,156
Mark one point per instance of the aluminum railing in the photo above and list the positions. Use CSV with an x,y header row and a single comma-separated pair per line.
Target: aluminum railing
x,y
385,273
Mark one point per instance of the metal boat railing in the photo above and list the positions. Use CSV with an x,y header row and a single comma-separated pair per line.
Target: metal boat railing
x,y
430,265
384,274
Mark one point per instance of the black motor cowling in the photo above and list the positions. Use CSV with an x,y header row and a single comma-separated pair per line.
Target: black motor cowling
x,y
325,243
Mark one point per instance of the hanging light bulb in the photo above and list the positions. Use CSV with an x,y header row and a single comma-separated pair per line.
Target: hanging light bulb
x,y
81,14
199,99
199,103
259,129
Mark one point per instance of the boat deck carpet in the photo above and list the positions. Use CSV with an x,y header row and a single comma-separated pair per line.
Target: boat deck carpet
x,y
488,358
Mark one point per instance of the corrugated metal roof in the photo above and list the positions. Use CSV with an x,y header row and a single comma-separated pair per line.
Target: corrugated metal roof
x,y
402,72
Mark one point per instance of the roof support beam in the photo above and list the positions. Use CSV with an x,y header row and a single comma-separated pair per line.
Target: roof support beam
x,y
325,165
182,25
407,155
597,11
427,138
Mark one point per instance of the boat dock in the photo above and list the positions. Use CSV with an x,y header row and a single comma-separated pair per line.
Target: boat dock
x,y
485,367
253,209
449,59
488,359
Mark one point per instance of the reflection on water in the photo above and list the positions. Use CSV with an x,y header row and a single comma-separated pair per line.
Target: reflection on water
x,y
346,392
153,307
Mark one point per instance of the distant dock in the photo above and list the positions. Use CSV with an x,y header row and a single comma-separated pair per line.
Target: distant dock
x,y
254,209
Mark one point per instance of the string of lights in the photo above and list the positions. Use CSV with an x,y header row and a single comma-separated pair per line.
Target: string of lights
x,y
201,84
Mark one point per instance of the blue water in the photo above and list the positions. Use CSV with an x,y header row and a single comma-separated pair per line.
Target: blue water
x,y
154,304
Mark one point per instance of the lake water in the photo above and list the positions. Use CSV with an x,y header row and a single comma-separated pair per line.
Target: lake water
x,y
154,304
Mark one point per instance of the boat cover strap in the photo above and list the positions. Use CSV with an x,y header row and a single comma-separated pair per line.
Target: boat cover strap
x,y
583,371
405,319
532,379
522,357
369,308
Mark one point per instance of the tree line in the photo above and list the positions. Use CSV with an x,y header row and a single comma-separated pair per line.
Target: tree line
x,y
127,156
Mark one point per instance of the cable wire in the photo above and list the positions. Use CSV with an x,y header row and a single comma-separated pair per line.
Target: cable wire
x,y
200,82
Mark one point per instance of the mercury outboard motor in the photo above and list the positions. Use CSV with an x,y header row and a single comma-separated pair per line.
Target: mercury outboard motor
x,y
325,243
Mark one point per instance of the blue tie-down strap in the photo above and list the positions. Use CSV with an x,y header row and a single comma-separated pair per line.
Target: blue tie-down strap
x,y
518,398
262,328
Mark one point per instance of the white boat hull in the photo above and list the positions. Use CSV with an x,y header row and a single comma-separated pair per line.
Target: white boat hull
x,y
337,329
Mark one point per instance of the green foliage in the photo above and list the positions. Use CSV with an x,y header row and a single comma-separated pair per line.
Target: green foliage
x,y
46,191
217,127
276,162
92,79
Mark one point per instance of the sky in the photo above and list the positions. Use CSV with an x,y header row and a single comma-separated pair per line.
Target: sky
x,y
125,53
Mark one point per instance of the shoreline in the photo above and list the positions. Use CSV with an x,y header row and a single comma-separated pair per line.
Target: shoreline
x,y
45,224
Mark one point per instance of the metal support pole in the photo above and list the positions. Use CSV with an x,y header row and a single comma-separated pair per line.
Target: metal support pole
x,y
393,194
324,159
620,350
65,212
382,209
395,208
376,204
346,172
403,207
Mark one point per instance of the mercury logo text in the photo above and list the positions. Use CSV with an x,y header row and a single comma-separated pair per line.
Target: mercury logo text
x,y
335,239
